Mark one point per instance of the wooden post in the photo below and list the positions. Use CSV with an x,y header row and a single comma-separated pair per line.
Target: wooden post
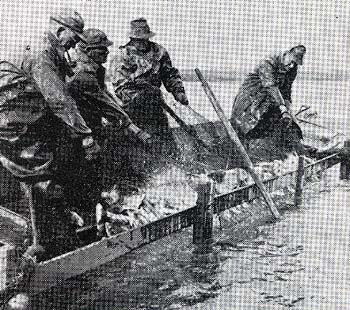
x,y
35,236
345,163
299,182
203,219
35,250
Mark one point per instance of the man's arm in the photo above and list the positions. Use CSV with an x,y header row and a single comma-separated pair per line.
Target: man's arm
x,y
56,94
286,89
172,80
121,72
85,86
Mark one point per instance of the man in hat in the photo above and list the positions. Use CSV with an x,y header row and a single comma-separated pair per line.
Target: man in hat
x,y
262,106
138,72
95,103
52,139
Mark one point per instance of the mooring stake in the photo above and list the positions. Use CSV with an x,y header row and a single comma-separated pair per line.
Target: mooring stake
x,y
203,219
299,182
345,162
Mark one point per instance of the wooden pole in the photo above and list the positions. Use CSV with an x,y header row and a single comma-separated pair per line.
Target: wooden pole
x,y
32,215
234,138
203,219
299,182
35,250
345,163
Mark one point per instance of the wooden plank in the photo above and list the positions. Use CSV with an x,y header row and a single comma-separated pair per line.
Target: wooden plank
x,y
14,217
250,192
345,164
53,272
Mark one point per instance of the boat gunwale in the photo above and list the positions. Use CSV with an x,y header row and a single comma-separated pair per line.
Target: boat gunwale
x,y
142,235
192,209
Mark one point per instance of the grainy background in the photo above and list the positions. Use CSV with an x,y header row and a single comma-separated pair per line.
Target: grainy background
x,y
226,39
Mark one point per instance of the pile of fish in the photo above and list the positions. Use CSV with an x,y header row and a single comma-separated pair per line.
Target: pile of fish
x,y
173,190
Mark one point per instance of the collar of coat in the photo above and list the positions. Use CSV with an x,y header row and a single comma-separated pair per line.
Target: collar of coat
x,y
156,51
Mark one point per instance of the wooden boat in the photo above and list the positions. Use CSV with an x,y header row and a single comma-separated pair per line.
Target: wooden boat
x,y
52,272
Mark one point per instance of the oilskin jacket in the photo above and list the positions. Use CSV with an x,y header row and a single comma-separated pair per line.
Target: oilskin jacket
x,y
94,101
133,70
49,70
45,116
253,99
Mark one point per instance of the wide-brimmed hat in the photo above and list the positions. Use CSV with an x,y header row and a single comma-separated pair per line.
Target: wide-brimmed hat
x,y
95,38
139,29
72,20
298,53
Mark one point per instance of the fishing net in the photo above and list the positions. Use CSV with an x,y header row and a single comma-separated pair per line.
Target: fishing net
x,y
193,143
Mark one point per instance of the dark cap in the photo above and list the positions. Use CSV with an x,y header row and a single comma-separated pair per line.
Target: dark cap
x,y
298,53
95,38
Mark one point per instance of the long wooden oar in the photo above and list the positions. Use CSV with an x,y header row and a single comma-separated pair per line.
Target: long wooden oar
x,y
233,136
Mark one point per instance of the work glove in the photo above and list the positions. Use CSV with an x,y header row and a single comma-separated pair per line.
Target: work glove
x,y
140,134
91,148
181,97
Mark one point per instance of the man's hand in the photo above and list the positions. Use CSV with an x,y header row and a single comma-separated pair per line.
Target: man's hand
x,y
181,97
91,148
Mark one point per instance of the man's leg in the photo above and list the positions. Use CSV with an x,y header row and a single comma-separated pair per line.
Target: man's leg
x,y
55,231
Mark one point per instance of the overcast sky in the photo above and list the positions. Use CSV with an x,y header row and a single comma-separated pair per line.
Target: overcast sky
x,y
218,35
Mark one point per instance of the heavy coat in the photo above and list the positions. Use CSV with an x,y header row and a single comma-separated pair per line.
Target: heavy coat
x,y
94,101
253,100
45,115
137,77
47,153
